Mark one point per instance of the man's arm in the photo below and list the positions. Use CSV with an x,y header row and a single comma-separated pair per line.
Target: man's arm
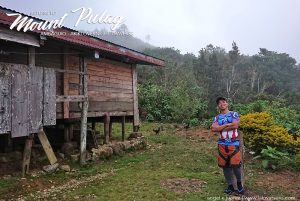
x,y
233,125
216,128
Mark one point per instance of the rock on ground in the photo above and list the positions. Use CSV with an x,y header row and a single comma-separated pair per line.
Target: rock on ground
x,y
50,168
68,148
118,148
65,168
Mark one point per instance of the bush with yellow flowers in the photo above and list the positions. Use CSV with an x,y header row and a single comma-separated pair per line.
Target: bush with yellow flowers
x,y
298,146
260,131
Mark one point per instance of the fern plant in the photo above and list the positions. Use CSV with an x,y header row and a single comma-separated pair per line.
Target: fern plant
x,y
272,158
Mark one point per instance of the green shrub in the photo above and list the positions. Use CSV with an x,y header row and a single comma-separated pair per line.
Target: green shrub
x,y
272,158
192,122
153,102
260,131
186,102
293,163
206,123
285,116
182,103
257,106
276,160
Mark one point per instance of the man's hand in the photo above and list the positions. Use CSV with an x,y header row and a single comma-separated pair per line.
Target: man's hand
x,y
227,127
216,128
232,126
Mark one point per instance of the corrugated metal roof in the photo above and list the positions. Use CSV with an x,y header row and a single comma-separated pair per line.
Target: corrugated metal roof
x,y
88,41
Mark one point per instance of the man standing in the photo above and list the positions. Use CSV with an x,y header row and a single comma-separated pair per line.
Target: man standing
x,y
229,156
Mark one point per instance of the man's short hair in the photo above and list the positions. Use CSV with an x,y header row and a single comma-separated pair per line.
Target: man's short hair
x,y
219,99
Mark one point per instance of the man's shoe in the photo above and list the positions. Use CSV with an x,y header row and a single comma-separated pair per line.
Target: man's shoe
x,y
229,189
240,191
240,187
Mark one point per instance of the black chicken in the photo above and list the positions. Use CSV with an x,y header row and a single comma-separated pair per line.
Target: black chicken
x,y
157,130
186,126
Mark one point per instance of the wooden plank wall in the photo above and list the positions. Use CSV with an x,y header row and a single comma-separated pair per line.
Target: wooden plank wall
x,y
66,105
19,101
5,98
51,57
49,110
136,119
109,87
35,103
109,82
32,100
73,64
70,83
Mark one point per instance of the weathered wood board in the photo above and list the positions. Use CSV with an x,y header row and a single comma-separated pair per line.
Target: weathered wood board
x,y
104,106
19,102
49,112
35,91
136,118
5,98
19,37
47,147
110,87
27,98
26,155
66,87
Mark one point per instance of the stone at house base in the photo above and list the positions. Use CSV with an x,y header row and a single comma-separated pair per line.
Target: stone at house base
x,y
50,168
118,148
69,148
65,168
74,158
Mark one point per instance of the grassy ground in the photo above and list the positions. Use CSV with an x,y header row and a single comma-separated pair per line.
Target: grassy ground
x,y
137,175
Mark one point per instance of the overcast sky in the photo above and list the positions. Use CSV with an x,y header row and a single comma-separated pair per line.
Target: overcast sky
x,y
189,25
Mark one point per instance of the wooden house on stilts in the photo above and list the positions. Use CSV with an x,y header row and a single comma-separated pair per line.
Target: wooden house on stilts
x,y
63,77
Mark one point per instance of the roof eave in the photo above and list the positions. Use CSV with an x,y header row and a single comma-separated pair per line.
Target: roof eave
x,y
91,42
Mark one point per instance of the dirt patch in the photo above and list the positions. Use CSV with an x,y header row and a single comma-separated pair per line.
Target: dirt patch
x,y
285,181
10,168
25,186
195,133
183,185
58,191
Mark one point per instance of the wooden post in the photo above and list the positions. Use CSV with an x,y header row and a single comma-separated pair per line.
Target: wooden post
x,y
106,128
28,142
66,105
67,132
110,129
93,125
26,155
8,147
94,134
46,146
136,118
123,128
84,111
71,131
